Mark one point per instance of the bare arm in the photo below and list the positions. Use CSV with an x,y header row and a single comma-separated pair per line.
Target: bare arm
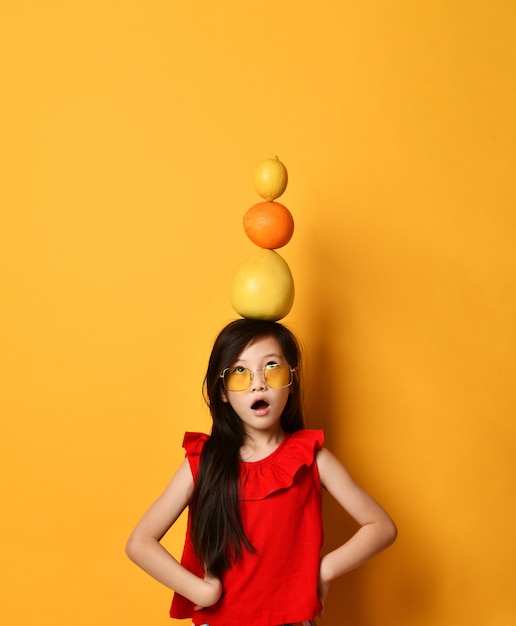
x,y
145,549
376,532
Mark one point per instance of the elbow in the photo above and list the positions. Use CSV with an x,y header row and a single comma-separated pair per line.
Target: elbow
x,y
132,548
391,533
139,546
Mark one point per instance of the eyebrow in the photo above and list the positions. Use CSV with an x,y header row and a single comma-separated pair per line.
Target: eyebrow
x,y
265,356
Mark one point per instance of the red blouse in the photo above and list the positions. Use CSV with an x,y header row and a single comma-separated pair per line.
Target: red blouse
x,y
281,513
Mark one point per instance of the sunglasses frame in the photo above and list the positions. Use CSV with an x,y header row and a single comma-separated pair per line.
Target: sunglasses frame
x,y
253,372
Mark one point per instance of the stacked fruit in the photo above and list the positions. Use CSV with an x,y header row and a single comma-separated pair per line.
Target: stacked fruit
x,y
263,287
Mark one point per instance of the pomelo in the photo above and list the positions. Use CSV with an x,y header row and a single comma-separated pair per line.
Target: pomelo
x,y
263,287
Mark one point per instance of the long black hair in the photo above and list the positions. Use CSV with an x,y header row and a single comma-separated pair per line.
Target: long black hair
x,y
217,533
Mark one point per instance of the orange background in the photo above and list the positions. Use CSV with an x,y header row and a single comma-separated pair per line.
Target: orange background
x,y
129,135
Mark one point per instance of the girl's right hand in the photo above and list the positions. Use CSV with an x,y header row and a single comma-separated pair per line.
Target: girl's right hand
x,y
212,591
323,586
323,589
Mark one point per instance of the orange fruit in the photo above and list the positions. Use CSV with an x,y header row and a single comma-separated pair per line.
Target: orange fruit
x,y
269,225
270,178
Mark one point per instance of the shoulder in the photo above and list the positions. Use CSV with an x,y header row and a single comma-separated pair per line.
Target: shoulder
x,y
331,470
307,437
182,481
302,447
336,479
193,443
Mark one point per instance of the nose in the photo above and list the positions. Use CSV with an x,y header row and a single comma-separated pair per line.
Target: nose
x,y
258,380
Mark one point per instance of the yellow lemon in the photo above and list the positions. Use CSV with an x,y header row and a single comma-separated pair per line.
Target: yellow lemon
x,y
263,287
270,178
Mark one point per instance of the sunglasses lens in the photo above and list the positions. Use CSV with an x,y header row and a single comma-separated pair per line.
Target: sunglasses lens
x,y
277,376
237,378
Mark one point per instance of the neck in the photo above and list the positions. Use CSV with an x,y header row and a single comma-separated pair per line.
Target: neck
x,y
257,446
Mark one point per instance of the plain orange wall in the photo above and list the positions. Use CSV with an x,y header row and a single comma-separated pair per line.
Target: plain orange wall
x,y
129,134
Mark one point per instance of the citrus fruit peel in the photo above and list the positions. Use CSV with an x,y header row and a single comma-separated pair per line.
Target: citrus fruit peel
x,y
269,225
270,178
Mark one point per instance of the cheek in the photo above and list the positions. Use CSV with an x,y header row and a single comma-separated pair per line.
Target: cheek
x,y
286,395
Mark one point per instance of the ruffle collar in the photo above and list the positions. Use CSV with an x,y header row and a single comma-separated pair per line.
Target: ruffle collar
x,y
277,471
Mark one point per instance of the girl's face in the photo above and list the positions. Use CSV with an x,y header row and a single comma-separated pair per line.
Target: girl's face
x,y
259,407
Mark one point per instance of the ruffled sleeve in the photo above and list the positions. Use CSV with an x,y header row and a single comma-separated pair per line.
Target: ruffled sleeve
x,y
193,443
278,471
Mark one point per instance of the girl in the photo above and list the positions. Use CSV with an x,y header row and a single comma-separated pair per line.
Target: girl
x,y
253,488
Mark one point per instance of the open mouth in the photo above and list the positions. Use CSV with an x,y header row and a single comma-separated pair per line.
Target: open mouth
x,y
259,405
